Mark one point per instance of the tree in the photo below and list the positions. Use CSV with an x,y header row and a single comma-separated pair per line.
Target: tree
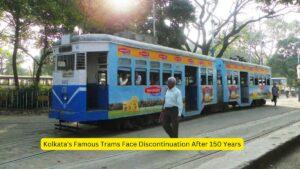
x,y
18,14
55,17
284,61
249,44
171,20
172,17
293,2
227,30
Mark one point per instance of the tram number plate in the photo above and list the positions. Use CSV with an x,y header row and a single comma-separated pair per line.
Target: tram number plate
x,y
68,74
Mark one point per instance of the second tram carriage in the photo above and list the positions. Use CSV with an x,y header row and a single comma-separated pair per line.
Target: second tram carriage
x,y
103,77
281,83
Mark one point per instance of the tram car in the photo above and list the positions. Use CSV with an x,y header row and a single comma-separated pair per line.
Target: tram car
x,y
101,77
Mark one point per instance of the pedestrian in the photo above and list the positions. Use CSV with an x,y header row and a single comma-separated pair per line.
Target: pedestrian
x,y
275,91
172,108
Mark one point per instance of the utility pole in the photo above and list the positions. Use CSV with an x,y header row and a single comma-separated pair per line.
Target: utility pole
x,y
249,47
298,69
154,19
213,38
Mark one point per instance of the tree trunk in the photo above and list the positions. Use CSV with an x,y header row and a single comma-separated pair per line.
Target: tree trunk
x,y
38,75
205,50
15,51
44,56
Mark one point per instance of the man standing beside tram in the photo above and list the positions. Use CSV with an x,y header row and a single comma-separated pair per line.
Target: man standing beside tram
x,y
172,108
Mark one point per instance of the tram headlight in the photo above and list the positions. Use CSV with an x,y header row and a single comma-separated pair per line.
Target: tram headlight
x,y
65,97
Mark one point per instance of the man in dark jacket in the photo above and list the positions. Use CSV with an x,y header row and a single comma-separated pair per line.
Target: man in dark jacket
x,y
275,93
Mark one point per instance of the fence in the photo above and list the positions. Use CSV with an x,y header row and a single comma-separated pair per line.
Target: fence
x,y
24,99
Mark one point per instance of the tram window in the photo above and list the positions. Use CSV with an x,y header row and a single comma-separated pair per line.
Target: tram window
x,y
251,80
140,63
177,67
140,77
229,79
219,77
268,81
203,76
256,81
264,81
210,79
154,65
236,80
124,77
154,77
102,78
260,80
102,62
166,75
65,62
167,66
124,61
80,64
178,78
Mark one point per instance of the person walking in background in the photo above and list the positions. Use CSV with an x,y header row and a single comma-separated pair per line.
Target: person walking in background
x,y
172,108
275,93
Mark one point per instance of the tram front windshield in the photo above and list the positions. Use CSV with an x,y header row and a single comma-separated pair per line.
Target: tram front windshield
x,y
65,62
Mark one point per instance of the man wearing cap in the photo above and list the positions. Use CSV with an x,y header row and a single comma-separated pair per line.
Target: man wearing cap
x,y
172,108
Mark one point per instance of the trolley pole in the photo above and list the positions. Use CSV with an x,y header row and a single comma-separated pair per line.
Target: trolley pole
x,y
154,19
213,38
298,79
298,70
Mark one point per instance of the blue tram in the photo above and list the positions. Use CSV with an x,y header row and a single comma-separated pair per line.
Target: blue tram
x,y
103,77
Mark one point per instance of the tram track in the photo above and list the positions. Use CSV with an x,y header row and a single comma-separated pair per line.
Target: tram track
x,y
198,157
190,159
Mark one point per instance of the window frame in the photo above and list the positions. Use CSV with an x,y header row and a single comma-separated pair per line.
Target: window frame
x,y
64,55
155,71
125,67
253,79
166,72
203,73
141,68
256,82
229,74
210,74
178,72
84,61
130,73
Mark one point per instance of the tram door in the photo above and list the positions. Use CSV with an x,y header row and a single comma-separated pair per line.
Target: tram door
x,y
220,86
97,89
244,87
191,88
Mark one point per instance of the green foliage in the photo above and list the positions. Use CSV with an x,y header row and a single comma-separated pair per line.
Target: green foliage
x,y
284,62
293,2
171,19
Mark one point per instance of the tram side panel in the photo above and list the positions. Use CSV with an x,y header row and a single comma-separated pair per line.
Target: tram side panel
x,y
131,99
260,87
257,83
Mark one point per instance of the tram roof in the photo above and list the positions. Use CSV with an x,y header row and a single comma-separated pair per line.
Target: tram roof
x,y
133,43
279,78
244,63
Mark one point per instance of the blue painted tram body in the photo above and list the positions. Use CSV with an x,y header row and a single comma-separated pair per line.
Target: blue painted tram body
x,y
102,77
